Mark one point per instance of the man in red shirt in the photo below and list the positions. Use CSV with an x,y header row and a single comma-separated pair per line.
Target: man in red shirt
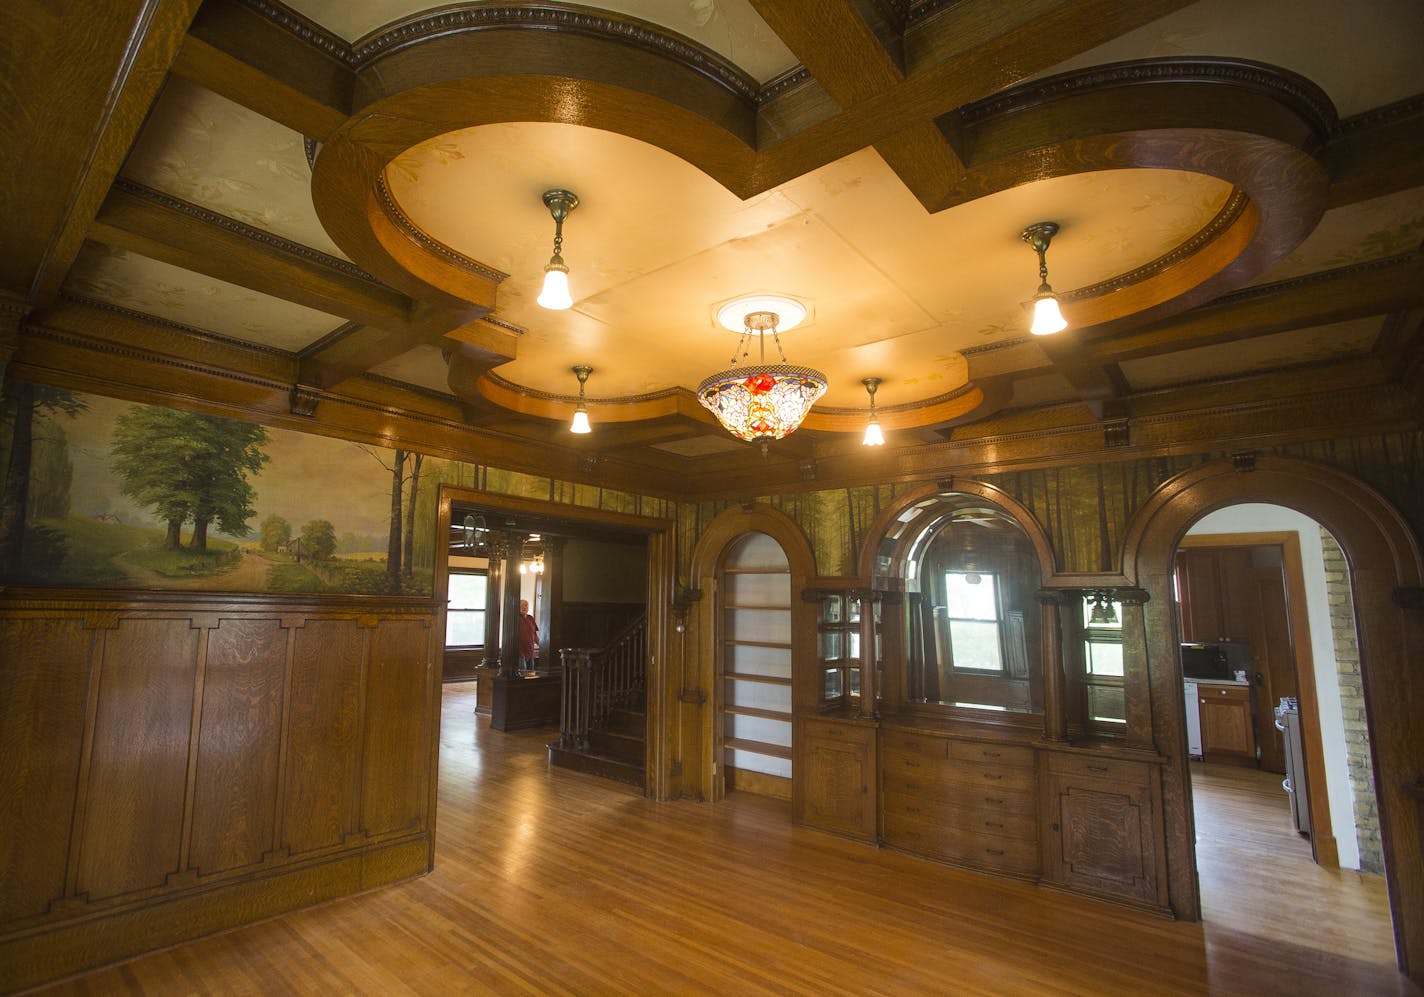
x,y
528,637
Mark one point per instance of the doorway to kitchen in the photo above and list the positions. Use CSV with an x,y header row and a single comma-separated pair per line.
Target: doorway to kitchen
x,y
1280,773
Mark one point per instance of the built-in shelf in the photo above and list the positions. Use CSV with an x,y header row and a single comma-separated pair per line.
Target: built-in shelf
x,y
746,677
757,747
781,645
762,608
755,571
757,711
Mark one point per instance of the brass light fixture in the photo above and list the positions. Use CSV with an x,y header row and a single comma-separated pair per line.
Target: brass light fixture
x,y
873,436
1047,317
1101,612
580,423
555,294
761,401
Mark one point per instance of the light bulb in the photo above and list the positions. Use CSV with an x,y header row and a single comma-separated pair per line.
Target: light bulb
x,y
873,436
580,424
556,287
1047,318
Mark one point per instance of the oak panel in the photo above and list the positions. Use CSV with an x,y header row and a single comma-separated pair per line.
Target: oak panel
x,y
235,790
133,816
44,675
397,688
324,754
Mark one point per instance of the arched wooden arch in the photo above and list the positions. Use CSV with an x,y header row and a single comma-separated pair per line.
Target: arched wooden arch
x,y
698,698
1386,570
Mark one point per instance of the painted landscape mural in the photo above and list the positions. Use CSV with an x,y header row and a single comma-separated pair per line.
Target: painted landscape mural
x,y
100,492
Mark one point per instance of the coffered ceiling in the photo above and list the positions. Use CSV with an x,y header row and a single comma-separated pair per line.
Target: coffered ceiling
x,y
326,201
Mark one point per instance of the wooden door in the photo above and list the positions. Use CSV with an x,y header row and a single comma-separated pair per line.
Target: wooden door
x,y
1273,656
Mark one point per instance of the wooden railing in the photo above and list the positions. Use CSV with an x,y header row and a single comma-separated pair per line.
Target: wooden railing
x,y
597,681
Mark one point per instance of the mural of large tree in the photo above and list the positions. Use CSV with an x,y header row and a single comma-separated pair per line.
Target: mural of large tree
x,y
190,467
26,404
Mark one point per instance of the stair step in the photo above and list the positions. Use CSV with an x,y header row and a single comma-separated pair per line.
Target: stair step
x,y
622,721
626,747
596,764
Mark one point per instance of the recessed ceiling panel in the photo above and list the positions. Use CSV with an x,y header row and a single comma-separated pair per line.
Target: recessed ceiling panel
x,y
731,28
701,446
423,367
1364,55
153,288
1264,353
205,149
655,245
1357,233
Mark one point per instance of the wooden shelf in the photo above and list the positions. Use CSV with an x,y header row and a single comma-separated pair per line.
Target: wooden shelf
x,y
756,711
745,677
756,571
757,747
780,645
742,605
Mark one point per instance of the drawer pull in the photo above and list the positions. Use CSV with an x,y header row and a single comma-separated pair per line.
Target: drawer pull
x,y
991,754
995,776
913,787
910,763
990,799
994,851
990,823
1097,768
911,810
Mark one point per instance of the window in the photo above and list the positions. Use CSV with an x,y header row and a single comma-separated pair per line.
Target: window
x,y
1102,659
972,609
839,646
465,616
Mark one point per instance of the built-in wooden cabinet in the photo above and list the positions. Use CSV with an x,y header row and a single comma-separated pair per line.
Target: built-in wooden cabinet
x,y
964,801
1103,818
835,790
1227,726
1215,588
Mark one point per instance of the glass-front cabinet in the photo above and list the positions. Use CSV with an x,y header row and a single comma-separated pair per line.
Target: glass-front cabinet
x,y
838,646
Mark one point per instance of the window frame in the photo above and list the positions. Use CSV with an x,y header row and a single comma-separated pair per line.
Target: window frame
x,y
451,611
999,670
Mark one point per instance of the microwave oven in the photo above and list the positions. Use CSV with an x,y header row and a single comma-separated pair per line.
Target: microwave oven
x,y
1204,661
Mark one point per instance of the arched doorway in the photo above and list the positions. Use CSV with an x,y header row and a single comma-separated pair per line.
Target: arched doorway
x,y
1385,569
750,647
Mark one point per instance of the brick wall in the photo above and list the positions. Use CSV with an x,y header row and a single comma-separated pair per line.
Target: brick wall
x,y
1352,702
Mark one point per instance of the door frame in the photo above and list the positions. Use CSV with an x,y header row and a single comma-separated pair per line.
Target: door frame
x,y
1322,839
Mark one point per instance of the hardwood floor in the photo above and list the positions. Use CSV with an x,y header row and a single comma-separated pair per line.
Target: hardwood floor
x,y
551,881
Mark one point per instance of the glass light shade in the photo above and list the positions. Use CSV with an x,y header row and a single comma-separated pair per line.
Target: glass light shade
x,y
556,287
580,423
873,436
1047,318
762,403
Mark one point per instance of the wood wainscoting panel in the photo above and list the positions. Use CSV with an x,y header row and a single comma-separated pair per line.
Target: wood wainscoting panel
x,y
323,758
239,745
132,824
397,734
44,682
174,765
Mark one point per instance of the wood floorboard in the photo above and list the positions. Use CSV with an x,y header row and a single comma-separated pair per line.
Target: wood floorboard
x,y
554,882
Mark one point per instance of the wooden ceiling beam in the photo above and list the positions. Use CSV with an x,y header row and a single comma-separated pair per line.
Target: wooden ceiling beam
x,y
1377,153
74,105
184,235
295,75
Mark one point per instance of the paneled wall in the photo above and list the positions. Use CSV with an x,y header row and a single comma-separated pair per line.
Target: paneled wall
x,y
173,766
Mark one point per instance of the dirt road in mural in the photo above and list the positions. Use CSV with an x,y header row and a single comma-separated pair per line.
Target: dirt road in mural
x,y
249,575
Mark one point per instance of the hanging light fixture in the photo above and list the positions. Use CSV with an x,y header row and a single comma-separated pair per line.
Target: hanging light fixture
x,y
1047,318
761,401
580,423
873,436
555,294
1102,612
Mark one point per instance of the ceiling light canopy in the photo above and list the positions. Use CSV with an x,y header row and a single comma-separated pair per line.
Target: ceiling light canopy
x,y
1047,317
555,294
761,401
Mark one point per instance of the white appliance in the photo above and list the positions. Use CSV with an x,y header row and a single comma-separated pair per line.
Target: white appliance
x,y
1194,748
1288,723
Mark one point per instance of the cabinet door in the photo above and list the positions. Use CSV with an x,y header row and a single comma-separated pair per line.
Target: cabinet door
x,y
1104,828
1197,587
1227,733
834,779
1237,592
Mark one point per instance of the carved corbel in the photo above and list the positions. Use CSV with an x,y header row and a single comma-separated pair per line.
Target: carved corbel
x,y
303,401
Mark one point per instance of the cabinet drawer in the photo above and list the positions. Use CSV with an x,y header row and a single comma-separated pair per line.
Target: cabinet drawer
x,y
994,754
983,851
822,730
1087,766
1223,693
920,745
995,799
972,776
962,817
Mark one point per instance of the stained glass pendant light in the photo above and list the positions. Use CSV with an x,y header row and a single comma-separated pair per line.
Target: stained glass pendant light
x,y
761,401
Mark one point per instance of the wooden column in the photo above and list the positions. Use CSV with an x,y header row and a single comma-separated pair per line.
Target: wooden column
x,y
551,606
1136,685
509,608
867,653
1055,707
498,545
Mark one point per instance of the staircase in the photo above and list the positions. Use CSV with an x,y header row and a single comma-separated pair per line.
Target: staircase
x,y
603,720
